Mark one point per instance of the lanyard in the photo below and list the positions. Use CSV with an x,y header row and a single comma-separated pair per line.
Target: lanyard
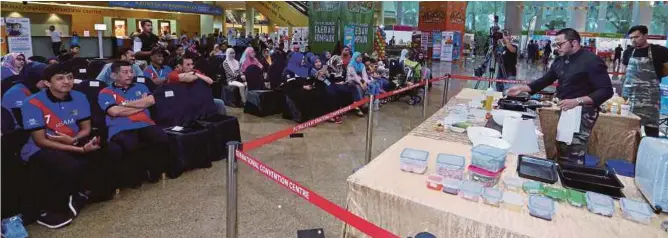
x,y
159,73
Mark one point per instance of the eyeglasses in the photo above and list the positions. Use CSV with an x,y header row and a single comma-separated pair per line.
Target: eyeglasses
x,y
559,44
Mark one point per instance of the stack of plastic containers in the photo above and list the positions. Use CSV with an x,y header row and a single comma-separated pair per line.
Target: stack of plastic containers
x,y
450,166
487,163
600,204
414,161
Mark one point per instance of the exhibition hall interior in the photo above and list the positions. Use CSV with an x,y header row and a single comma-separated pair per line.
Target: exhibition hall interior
x,y
318,119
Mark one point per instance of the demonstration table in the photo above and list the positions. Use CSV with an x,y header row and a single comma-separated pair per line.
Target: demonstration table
x,y
400,202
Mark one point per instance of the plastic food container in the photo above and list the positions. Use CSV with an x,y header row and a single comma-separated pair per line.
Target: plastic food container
x,y
532,187
435,182
576,198
485,177
471,190
634,210
450,166
414,161
488,157
541,207
451,186
556,194
600,204
492,196
512,183
512,201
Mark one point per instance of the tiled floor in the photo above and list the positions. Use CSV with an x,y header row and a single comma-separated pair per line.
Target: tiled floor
x,y
194,204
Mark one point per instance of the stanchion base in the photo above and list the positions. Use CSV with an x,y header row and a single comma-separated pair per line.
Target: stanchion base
x,y
312,233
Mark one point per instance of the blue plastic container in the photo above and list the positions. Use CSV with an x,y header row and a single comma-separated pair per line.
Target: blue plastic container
x,y
621,167
488,157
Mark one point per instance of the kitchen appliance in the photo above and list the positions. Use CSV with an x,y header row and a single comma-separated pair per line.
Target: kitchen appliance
x,y
652,172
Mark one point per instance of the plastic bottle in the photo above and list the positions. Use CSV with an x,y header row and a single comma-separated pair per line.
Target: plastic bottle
x,y
490,99
616,102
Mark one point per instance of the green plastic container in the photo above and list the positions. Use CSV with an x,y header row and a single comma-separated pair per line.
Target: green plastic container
x,y
557,194
576,198
532,187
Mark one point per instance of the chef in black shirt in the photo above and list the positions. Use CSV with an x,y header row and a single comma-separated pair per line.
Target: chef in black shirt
x,y
583,81
645,65
148,41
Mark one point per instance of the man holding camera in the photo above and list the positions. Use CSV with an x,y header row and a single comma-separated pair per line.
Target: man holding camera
x,y
583,82
508,64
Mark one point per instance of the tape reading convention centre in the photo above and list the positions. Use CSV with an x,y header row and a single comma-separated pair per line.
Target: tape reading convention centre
x,y
313,198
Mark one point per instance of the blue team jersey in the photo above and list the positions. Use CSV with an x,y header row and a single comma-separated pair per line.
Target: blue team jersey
x,y
14,97
113,95
154,73
44,111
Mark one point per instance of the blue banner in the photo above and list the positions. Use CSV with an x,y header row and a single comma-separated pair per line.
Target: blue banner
x,y
190,7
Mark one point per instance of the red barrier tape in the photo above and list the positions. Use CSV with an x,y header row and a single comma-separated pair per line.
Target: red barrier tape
x,y
286,132
315,199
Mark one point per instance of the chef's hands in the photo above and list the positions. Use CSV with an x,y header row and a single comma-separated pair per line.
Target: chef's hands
x,y
515,90
568,104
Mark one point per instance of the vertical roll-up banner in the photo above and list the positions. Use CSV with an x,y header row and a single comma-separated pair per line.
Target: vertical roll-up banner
x,y
323,24
19,38
358,15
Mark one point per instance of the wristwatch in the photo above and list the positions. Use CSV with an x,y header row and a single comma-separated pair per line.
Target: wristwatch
x,y
580,101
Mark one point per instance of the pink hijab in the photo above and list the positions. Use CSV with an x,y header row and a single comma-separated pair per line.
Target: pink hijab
x,y
247,59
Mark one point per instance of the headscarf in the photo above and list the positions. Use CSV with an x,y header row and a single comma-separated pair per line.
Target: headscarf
x,y
34,72
357,66
295,64
336,65
323,57
267,58
9,61
231,61
247,59
404,52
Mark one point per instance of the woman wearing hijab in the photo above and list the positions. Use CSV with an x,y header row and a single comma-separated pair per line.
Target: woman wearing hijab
x,y
337,76
217,52
325,56
356,75
306,95
12,65
318,77
248,59
233,73
30,84
402,57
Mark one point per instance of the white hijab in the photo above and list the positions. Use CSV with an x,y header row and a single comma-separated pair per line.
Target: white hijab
x,y
231,61
404,52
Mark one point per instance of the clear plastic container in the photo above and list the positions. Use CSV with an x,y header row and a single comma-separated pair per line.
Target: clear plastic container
x,y
512,183
600,204
435,182
488,157
452,186
492,196
556,194
471,190
513,201
414,161
541,207
634,210
485,177
576,198
532,187
450,166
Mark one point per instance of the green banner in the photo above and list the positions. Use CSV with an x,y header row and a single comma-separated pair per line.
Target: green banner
x,y
323,25
359,15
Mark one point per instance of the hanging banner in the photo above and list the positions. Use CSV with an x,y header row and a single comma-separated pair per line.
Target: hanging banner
x,y
456,45
349,37
424,41
19,38
174,6
432,16
359,15
438,44
446,51
323,19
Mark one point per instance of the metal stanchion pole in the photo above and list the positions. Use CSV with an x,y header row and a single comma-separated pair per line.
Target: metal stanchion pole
x,y
446,87
424,100
369,131
232,226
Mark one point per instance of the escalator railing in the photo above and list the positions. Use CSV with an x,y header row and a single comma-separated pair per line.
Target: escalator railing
x,y
301,6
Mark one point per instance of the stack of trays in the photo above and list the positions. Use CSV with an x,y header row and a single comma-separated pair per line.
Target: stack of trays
x,y
414,161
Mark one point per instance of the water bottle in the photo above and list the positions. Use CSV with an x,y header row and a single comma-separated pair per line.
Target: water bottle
x,y
664,95
12,227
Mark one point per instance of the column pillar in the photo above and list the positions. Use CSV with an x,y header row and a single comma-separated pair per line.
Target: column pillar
x,y
642,13
513,18
400,12
250,20
577,18
601,20
540,20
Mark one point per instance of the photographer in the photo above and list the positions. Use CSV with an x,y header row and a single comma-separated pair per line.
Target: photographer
x,y
508,64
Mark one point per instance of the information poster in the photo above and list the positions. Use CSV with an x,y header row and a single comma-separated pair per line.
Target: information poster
x,y
300,35
359,16
232,37
323,24
446,51
349,37
424,41
438,44
456,45
19,38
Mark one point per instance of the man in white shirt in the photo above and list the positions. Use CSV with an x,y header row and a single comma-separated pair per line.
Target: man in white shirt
x,y
56,43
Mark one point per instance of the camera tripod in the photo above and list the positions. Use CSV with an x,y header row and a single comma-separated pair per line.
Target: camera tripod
x,y
492,56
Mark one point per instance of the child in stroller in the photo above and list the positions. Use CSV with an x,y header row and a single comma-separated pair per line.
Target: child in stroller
x,y
405,74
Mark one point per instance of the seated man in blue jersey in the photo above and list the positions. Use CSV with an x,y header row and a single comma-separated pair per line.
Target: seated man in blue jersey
x,y
127,55
32,83
134,138
68,167
156,70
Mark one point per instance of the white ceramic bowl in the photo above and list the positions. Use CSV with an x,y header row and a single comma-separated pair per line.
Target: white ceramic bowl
x,y
494,142
499,115
477,131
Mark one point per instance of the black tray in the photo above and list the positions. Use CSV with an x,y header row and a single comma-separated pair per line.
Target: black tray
x,y
579,179
538,169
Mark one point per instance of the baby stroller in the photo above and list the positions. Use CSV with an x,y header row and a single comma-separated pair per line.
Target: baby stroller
x,y
403,74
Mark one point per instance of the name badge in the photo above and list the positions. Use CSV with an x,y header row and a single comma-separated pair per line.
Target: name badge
x,y
141,80
177,128
169,94
82,71
94,84
77,81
